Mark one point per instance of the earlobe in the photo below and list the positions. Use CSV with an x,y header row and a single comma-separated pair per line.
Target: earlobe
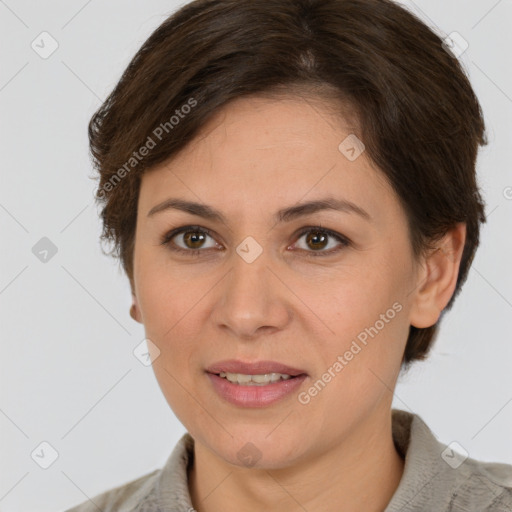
x,y
436,283
134,310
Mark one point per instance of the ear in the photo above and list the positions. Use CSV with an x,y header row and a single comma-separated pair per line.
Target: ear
x,y
135,309
437,279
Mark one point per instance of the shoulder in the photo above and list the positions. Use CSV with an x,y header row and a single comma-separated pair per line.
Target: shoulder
x,y
121,497
162,489
444,477
488,483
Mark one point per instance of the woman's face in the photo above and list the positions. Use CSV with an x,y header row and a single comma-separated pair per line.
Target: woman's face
x,y
264,286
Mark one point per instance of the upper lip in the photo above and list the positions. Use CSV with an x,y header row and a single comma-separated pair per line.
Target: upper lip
x,y
254,368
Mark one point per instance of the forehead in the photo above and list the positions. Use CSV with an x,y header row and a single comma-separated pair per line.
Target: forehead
x,y
259,123
257,149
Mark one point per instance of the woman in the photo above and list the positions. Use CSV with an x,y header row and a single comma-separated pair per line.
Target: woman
x,y
290,186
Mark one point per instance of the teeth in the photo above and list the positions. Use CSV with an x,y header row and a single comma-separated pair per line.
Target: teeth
x,y
254,380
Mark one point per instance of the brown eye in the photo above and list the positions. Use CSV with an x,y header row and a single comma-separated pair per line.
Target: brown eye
x,y
317,239
188,239
193,239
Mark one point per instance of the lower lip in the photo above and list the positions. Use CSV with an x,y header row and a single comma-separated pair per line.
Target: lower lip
x,y
255,396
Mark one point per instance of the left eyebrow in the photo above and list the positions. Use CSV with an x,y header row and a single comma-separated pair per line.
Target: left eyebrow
x,y
328,203
283,215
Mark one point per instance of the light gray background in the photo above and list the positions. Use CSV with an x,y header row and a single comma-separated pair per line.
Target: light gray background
x,y
68,374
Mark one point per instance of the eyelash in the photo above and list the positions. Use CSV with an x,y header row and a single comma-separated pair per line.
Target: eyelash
x,y
166,240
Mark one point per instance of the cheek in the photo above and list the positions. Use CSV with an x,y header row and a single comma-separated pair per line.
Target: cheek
x,y
170,324
363,319
179,389
167,305
348,299
164,296
359,364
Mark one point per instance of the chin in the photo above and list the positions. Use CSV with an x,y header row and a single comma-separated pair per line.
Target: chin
x,y
259,451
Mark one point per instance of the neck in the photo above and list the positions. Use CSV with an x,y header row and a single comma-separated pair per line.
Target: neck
x,y
339,479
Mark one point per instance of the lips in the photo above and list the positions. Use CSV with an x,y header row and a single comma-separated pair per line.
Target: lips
x,y
254,368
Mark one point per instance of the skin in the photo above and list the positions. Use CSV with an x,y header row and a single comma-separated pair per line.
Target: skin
x,y
254,157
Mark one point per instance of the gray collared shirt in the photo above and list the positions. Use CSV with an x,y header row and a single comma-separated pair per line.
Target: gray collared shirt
x,y
435,479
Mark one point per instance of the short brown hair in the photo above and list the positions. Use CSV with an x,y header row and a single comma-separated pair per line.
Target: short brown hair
x,y
416,112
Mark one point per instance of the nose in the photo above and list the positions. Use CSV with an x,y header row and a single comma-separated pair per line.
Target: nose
x,y
251,299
